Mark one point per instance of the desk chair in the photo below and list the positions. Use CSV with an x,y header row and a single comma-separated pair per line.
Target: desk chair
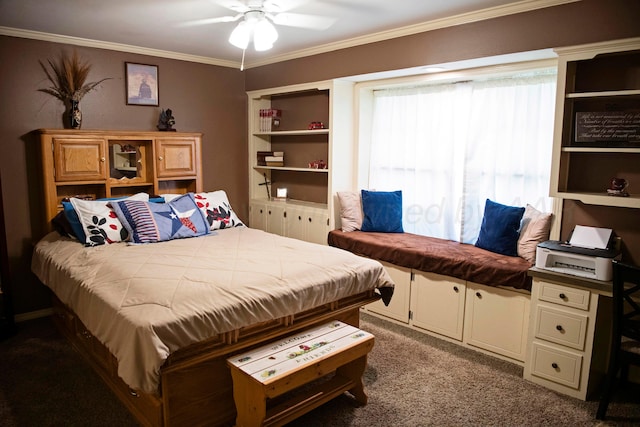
x,y
625,337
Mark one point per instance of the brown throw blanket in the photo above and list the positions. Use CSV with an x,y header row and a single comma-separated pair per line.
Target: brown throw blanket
x,y
430,254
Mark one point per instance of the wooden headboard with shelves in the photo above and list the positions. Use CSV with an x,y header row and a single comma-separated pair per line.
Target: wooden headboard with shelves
x,y
103,163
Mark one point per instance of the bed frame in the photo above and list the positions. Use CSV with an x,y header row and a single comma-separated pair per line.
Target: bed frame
x,y
196,386
195,382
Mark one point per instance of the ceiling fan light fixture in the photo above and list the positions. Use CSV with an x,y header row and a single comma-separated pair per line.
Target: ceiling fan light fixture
x,y
241,35
264,35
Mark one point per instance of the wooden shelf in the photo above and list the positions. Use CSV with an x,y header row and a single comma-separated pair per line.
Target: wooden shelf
x,y
294,132
603,94
286,168
633,201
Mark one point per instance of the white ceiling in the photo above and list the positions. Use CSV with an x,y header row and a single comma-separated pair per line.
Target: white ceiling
x,y
157,27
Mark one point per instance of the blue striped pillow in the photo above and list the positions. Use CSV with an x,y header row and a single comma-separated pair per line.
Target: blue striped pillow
x,y
153,222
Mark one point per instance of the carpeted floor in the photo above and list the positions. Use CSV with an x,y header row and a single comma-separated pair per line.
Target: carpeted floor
x,y
412,379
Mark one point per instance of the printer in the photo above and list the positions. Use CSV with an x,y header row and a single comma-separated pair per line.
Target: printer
x,y
588,253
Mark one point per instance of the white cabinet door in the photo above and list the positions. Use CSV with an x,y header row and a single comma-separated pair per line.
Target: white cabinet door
x,y
497,320
295,223
275,219
258,216
316,226
398,308
437,304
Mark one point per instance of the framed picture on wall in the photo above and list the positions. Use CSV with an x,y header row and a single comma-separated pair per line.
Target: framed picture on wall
x,y
141,84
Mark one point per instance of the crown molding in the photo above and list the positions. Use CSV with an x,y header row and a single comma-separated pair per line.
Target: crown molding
x,y
120,47
465,18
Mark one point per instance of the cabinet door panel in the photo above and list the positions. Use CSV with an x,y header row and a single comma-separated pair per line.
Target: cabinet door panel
x,y
497,320
295,223
176,157
317,227
258,216
80,159
438,304
275,219
398,308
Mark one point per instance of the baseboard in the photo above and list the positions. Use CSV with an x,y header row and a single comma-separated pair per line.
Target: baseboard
x,y
23,317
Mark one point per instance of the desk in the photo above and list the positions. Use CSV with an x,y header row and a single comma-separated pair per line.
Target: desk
x,y
280,367
569,333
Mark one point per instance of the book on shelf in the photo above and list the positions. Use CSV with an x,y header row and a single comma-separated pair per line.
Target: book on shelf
x,y
269,119
261,156
275,160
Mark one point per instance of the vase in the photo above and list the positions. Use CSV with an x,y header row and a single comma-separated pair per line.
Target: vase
x,y
75,115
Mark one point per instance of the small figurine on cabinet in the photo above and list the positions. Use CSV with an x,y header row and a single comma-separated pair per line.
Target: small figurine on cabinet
x,y
166,121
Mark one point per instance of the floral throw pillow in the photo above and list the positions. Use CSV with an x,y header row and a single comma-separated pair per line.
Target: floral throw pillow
x,y
99,222
216,208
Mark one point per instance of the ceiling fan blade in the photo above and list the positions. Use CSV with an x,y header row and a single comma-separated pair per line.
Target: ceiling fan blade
x,y
279,6
314,22
235,5
207,21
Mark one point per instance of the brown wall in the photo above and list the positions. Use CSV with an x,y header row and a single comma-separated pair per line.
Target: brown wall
x,y
204,98
586,21
211,99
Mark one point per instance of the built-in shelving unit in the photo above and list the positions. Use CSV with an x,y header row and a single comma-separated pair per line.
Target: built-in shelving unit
x,y
601,78
308,212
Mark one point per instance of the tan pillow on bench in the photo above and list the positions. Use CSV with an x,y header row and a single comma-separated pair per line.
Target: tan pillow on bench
x,y
350,210
534,229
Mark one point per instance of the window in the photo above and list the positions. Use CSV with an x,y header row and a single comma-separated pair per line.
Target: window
x,y
450,146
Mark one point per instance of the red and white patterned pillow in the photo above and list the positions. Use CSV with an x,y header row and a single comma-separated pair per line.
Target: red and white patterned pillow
x,y
100,223
216,208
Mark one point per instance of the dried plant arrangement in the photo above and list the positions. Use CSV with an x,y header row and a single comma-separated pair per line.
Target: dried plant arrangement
x,y
68,76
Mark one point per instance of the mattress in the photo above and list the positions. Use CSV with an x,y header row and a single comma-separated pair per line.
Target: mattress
x,y
144,302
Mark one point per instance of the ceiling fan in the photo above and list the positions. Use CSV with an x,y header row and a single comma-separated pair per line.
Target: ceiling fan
x,y
257,19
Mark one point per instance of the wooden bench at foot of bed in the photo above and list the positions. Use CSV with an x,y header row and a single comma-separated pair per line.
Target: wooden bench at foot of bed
x,y
456,291
196,385
335,352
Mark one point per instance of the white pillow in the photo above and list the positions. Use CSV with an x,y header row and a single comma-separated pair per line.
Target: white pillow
x,y
217,210
350,210
534,229
99,221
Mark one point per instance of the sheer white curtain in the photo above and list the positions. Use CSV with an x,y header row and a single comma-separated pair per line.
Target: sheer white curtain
x,y
450,147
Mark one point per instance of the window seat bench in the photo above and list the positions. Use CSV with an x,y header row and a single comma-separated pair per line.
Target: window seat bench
x,y
430,254
458,292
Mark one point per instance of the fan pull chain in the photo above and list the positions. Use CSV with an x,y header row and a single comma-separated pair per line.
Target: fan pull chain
x,y
242,64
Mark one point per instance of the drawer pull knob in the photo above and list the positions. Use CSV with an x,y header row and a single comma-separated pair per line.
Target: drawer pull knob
x,y
554,365
559,327
562,296
455,288
479,295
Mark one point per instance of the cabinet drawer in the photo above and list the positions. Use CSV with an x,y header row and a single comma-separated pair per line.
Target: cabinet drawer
x,y
561,327
554,364
563,295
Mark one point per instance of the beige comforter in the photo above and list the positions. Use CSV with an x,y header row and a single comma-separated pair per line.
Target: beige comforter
x,y
146,301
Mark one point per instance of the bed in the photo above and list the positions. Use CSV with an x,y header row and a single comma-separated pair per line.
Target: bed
x,y
161,318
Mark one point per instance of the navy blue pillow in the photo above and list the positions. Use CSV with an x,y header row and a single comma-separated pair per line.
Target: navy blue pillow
x,y
382,211
500,228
